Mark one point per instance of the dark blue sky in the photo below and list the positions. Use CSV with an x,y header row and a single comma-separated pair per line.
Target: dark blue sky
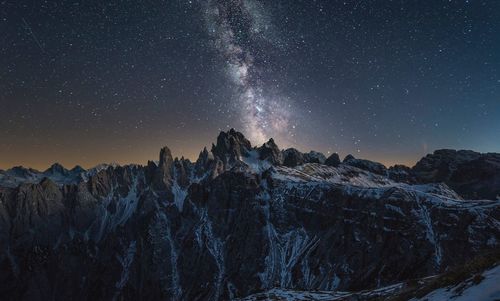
x,y
98,81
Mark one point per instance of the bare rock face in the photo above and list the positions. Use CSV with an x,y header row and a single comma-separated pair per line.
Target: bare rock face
x,y
36,213
270,152
220,230
163,176
439,166
368,165
203,163
77,169
401,173
471,174
231,147
21,172
333,160
314,157
292,157
57,169
183,170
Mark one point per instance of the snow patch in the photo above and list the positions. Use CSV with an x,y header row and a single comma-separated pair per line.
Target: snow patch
x,y
425,218
216,248
126,261
179,195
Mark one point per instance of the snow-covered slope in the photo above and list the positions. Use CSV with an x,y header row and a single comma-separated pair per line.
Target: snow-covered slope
x,y
482,287
485,287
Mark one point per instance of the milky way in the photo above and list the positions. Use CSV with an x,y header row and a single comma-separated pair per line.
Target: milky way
x,y
86,82
239,28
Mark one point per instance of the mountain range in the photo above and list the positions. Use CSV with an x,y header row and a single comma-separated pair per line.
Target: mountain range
x,y
253,223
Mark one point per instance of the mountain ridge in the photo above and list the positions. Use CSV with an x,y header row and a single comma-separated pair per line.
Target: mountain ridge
x,y
236,223
232,146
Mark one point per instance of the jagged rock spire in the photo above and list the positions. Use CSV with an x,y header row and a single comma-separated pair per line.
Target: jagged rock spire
x,y
269,151
166,159
231,146
162,174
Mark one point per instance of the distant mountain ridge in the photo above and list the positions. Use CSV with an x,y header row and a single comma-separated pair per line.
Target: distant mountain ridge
x,y
471,174
241,221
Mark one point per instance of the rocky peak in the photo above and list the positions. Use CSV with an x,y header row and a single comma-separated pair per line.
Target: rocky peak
x,y
348,158
231,146
269,151
166,159
292,157
56,169
203,163
333,160
162,174
77,169
182,171
204,158
314,157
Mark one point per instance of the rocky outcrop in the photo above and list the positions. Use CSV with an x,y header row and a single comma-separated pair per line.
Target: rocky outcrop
x,y
231,147
401,173
203,163
439,166
333,160
17,175
368,165
56,169
20,171
161,175
183,172
314,157
471,174
77,169
270,152
292,157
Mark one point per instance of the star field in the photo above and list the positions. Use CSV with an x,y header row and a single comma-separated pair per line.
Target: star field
x,y
85,82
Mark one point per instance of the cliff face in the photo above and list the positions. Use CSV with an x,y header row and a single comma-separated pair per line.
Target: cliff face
x,y
235,223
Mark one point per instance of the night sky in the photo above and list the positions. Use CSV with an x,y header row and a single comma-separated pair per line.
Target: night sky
x,y
86,82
